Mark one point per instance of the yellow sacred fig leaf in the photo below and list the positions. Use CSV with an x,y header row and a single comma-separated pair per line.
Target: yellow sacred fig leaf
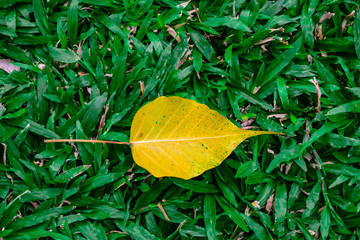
x,y
177,137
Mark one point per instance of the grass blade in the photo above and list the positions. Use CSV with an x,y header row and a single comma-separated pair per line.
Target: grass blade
x,y
210,216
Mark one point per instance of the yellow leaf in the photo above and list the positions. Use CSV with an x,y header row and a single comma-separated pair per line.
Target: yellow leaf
x,y
177,137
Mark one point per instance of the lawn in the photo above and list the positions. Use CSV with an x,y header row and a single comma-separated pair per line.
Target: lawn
x,y
81,69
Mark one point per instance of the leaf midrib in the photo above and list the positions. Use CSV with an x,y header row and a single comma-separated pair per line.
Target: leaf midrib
x,y
183,139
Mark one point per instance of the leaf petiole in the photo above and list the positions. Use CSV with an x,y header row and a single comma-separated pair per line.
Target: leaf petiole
x,y
85,141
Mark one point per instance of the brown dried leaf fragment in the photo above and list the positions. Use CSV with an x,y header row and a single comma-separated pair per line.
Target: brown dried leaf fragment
x,y
102,121
163,211
318,92
266,40
173,33
269,203
197,13
318,27
326,16
277,29
344,24
318,32
7,66
183,59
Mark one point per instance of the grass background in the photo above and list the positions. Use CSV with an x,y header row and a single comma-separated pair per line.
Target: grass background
x,y
87,66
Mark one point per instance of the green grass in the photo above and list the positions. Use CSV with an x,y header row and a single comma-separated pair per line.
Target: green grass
x,y
82,67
